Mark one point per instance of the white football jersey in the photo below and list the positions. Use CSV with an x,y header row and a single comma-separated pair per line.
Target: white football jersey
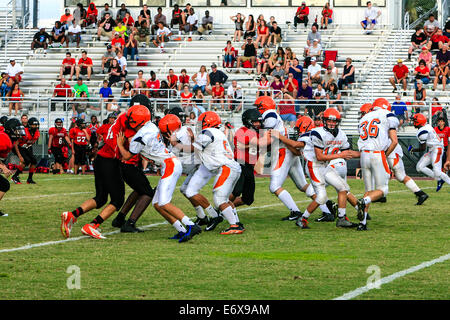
x,y
214,150
374,130
149,143
183,137
323,139
426,134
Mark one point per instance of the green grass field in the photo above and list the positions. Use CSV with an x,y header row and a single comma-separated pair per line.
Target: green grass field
x,y
273,259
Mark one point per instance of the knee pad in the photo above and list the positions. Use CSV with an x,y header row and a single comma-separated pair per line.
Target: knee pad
x,y
183,190
437,172
219,200
310,191
321,197
385,190
418,167
274,187
399,175
189,193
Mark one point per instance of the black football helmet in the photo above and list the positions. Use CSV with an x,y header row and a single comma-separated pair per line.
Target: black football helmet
x,y
179,113
80,123
33,124
58,123
14,129
250,116
3,120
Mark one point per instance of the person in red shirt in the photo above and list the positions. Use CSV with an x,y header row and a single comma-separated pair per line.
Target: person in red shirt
x,y
246,154
218,94
118,43
128,20
67,67
172,79
103,130
437,40
291,85
183,79
107,172
301,16
62,90
58,138
286,109
327,16
79,137
400,76
84,66
23,148
91,15
153,84
443,132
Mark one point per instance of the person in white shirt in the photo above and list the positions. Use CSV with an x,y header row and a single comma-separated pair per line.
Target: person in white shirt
x,y
14,72
162,36
371,15
234,93
320,90
123,65
191,22
74,34
314,72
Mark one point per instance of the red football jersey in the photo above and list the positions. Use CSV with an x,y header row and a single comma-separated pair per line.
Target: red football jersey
x,y
59,136
103,130
5,144
444,134
244,135
79,137
110,149
29,139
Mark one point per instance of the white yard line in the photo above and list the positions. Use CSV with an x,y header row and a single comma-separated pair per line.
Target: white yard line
x,y
392,277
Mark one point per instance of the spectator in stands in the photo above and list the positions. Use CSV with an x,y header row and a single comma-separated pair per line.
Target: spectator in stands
x,y
183,79
371,15
140,88
176,20
262,61
73,34
286,109
118,43
420,95
14,71
249,48
143,34
128,22
139,79
348,75
263,86
437,111
79,88
277,87
121,12
114,72
126,93
422,73
201,79
400,76
79,15
400,110
172,80
238,20
250,27
123,65
40,40
58,35
207,24
4,88
84,66
329,77
216,76
312,35
66,18
121,29
186,99
295,68
314,51
192,23
198,102
327,16
447,29
277,57
218,94
105,27
437,40
145,15
234,94
441,69
153,85
229,55
105,91
67,67
431,26
91,15
314,72
106,10
263,35
185,13
80,106
131,46
107,57
62,90
162,36
315,108
15,96
278,72
291,85
321,90
289,57
418,40
159,17
304,94
426,56
301,16
334,97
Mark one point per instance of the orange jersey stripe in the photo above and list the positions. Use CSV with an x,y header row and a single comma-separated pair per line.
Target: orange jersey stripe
x,y
397,159
438,158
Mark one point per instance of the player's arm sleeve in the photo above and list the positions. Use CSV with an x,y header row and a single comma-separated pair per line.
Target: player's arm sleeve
x,y
138,143
270,120
393,122
317,140
203,140
422,136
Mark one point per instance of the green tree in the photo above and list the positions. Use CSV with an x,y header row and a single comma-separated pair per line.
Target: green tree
x,y
418,7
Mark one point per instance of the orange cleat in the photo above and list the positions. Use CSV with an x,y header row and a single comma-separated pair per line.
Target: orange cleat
x,y
233,229
177,39
67,222
92,230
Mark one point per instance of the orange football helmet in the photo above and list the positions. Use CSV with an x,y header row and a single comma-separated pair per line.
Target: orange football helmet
x,y
382,103
304,124
365,109
169,123
138,115
419,120
331,114
209,119
265,103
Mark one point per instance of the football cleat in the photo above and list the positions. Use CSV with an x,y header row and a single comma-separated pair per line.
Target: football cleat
x,y
326,217
233,229
368,217
30,181
241,226
213,223
16,180
202,221
421,199
302,223
92,230
361,209
2,214
191,231
362,227
118,222
440,183
293,216
67,222
178,236
343,222
130,228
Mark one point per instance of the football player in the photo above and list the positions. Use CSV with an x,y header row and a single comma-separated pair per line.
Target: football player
x,y
428,138
180,141
23,148
80,137
58,138
10,131
217,160
103,130
107,173
443,132
377,140
149,143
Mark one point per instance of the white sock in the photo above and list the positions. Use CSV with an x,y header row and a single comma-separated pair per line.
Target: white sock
x,y
286,198
236,215
341,212
162,45
367,200
229,215
186,221
356,207
179,32
212,212
324,208
365,218
411,185
190,33
178,226
306,214
200,212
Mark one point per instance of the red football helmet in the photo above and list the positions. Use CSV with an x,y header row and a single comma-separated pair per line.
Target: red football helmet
x,y
334,115
382,103
209,119
419,120
169,123
138,115
304,124
365,109
265,103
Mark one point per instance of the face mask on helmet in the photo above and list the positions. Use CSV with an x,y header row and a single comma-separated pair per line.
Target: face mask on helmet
x,y
58,124
331,120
